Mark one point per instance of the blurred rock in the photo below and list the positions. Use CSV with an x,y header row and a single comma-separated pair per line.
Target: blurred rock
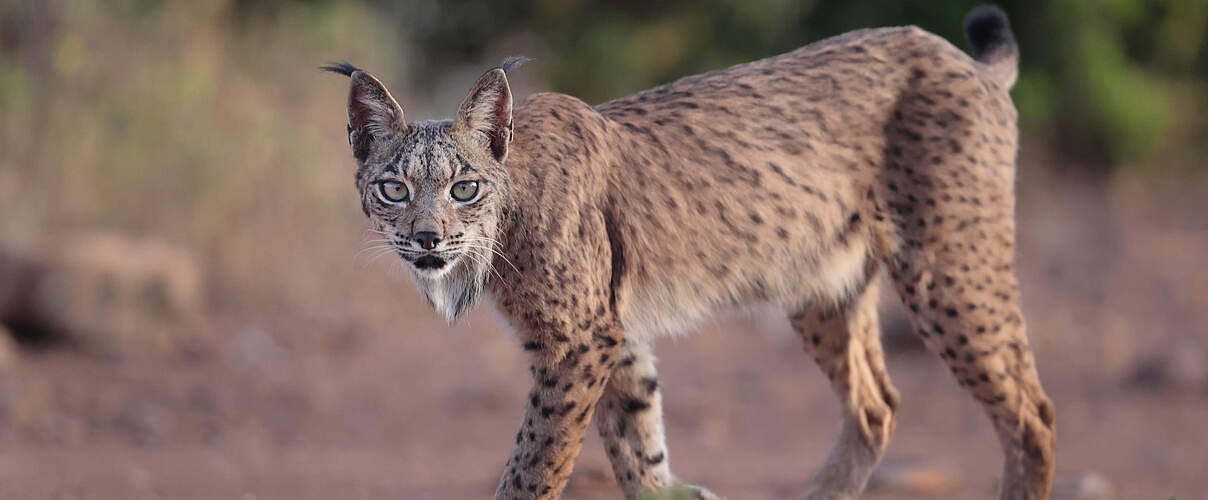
x,y
900,477
102,292
1185,367
8,347
897,332
16,268
592,475
1087,486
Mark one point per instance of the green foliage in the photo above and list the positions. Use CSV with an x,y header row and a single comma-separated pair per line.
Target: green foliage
x,y
1115,83
212,107
174,118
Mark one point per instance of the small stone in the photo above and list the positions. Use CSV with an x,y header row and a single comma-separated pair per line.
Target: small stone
x,y
1183,368
8,347
1086,486
898,334
907,478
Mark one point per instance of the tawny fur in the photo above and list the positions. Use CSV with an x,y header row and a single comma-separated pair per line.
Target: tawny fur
x,y
788,181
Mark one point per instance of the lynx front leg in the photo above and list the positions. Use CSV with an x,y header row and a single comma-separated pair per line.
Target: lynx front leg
x,y
630,419
569,374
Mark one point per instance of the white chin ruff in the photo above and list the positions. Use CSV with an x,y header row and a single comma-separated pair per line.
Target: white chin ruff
x,y
454,289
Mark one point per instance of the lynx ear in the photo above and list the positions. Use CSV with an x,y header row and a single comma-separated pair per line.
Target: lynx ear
x,y
372,113
488,111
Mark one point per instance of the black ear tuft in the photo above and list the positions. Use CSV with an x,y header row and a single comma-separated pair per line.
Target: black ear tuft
x,y
513,62
342,67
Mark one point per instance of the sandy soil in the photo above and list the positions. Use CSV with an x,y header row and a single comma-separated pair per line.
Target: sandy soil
x,y
369,396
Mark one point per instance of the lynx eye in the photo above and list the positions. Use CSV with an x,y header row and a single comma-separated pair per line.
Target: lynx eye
x,y
464,190
393,191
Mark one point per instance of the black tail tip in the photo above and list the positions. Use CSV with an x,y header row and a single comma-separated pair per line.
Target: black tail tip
x,y
343,68
987,29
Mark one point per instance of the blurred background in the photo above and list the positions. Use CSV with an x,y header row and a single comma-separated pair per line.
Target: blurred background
x,y
188,311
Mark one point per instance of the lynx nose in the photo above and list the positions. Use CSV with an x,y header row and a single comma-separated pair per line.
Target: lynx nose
x,y
426,239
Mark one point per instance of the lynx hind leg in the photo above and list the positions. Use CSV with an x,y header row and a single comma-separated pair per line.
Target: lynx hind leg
x,y
630,420
964,302
845,343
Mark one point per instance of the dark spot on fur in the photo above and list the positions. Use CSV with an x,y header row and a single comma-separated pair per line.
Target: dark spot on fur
x,y
634,405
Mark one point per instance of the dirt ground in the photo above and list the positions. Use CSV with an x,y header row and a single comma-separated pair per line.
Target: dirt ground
x,y
369,395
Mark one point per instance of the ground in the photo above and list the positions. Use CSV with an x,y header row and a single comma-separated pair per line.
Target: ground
x,y
372,396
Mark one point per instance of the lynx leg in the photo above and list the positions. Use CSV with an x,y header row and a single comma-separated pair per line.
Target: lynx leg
x,y
965,305
630,419
846,345
569,371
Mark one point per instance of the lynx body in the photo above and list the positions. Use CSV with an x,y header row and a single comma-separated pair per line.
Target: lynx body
x,y
788,181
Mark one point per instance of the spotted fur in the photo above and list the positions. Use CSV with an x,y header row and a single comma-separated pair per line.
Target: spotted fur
x,y
788,181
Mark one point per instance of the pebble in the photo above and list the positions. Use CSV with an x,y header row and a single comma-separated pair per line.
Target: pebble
x,y
912,479
8,347
1183,368
1085,486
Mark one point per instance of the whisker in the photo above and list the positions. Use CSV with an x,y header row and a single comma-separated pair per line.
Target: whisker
x,y
495,251
373,258
487,263
375,247
370,257
378,256
372,252
478,258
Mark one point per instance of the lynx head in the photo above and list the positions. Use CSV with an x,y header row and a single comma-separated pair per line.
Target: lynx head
x,y
435,190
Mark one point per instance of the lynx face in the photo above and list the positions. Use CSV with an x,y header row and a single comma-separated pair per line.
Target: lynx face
x,y
439,207
430,201
435,190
